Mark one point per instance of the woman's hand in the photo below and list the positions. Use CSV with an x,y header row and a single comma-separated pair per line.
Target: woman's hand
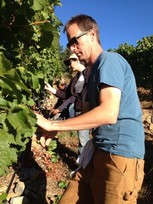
x,y
55,111
49,88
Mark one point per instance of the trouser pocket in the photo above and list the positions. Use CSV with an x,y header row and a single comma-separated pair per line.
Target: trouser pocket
x,y
132,193
125,176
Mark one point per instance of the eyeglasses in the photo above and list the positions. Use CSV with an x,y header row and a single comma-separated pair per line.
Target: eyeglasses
x,y
74,40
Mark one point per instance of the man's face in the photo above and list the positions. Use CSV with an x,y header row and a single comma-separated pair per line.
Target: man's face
x,y
79,42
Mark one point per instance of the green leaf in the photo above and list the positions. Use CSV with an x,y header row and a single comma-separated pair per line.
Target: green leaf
x,y
10,88
2,121
52,146
8,74
2,3
21,70
62,184
54,158
3,102
13,77
38,4
3,197
8,155
5,64
35,81
21,116
48,27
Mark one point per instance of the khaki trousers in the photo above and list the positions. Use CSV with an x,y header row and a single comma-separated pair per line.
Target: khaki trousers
x,y
108,179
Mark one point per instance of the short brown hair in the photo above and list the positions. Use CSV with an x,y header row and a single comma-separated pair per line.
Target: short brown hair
x,y
85,23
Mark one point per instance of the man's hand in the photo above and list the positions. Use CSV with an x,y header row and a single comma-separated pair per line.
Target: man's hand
x,y
45,137
43,122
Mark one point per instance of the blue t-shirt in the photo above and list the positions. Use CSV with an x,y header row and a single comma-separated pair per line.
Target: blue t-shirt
x,y
126,137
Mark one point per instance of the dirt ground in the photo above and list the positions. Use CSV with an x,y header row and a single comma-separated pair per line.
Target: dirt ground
x,y
49,171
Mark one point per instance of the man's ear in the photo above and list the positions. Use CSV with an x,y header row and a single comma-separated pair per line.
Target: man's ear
x,y
92,33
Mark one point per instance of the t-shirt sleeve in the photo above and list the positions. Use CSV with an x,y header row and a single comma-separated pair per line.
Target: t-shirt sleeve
x,y
111,72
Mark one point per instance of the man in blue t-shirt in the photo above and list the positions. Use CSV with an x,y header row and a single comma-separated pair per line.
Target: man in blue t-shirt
x,y
126,136
115,173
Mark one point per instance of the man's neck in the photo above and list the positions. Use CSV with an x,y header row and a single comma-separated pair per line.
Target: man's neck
x,y
95,54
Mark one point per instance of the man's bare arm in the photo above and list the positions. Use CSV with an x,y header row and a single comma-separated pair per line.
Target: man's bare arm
x,y
105,113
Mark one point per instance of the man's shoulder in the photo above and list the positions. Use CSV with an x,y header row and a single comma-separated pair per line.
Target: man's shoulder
x,y
110,54
109,57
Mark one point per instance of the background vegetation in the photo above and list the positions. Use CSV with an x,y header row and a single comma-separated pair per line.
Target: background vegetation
x,y
141,60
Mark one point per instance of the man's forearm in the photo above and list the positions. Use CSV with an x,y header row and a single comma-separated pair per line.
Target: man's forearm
x,y
91,119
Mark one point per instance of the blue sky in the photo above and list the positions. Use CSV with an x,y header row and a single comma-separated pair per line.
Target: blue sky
x,y
120,21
